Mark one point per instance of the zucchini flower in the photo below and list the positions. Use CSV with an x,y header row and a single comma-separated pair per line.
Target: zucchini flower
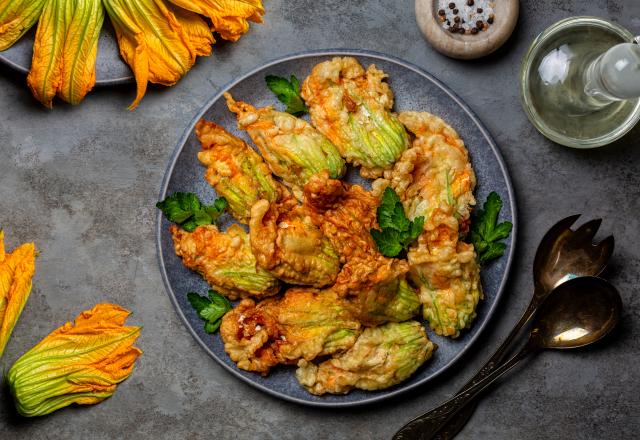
x,y
294,150
392,300
352,107
302,324
235,170
225,261
229,18
16,18
381,357
158,41
289,245
81,362
434,177
16,271
450,288
65,50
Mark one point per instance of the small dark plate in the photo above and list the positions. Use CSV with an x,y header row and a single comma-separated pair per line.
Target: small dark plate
x,y
414,90
110,69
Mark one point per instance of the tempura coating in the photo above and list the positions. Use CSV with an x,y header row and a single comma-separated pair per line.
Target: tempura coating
x,y
352,107
375,284
303,324
434,179
291,146
435,174
225,261
381,357
235,170
289,245
392,300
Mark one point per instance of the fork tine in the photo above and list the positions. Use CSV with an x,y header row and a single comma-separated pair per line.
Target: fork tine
x,y
588,230
607,244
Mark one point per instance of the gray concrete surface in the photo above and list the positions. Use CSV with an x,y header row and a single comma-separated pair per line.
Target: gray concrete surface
x,y
81,182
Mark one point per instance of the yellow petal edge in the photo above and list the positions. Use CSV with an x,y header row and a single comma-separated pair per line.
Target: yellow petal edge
x,y
16,271
81,362
158,41
229,18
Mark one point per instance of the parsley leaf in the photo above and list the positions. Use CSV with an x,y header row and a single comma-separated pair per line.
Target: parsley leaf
x,y
398,232
486,232
186,210
288,92
210,309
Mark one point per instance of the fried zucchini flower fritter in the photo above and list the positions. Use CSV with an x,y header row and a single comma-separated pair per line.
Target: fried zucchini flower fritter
x,y
293,149
225,260
392,300
375,284
381,357
235,170
434,179
303,324
352,107
289,245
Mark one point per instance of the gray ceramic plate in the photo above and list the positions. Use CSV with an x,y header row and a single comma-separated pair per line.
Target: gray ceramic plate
x,y
414,89
110,69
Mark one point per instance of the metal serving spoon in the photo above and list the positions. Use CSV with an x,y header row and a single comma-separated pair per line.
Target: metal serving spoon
x,y
578,312
561,255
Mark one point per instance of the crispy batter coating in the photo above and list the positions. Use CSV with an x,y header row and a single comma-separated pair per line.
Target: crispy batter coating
x,y
346,213
288,244
435,173
380,358
434,179
225,260
293,149
391,300
303,324
235,170
352,107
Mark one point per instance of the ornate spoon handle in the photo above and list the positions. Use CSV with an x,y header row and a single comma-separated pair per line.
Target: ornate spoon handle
x,y
455,424
427,425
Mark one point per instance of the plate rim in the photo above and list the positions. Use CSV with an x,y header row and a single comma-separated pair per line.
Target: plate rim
x,y
99,83
355,53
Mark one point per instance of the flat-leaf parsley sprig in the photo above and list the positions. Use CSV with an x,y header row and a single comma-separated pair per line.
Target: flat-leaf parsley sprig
x,y
397,231
486,232
288,92
186,210
210,309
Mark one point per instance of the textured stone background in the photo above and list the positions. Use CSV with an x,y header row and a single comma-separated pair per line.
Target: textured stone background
x,y
81,182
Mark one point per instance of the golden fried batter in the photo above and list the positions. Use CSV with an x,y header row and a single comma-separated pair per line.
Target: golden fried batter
x,y
303,324
380,358
434,179
375,283
288,244
352,107
235,170
225,260
293,149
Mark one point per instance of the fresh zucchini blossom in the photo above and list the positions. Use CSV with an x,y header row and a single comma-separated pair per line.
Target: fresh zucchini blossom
x,y
16,271
81,362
